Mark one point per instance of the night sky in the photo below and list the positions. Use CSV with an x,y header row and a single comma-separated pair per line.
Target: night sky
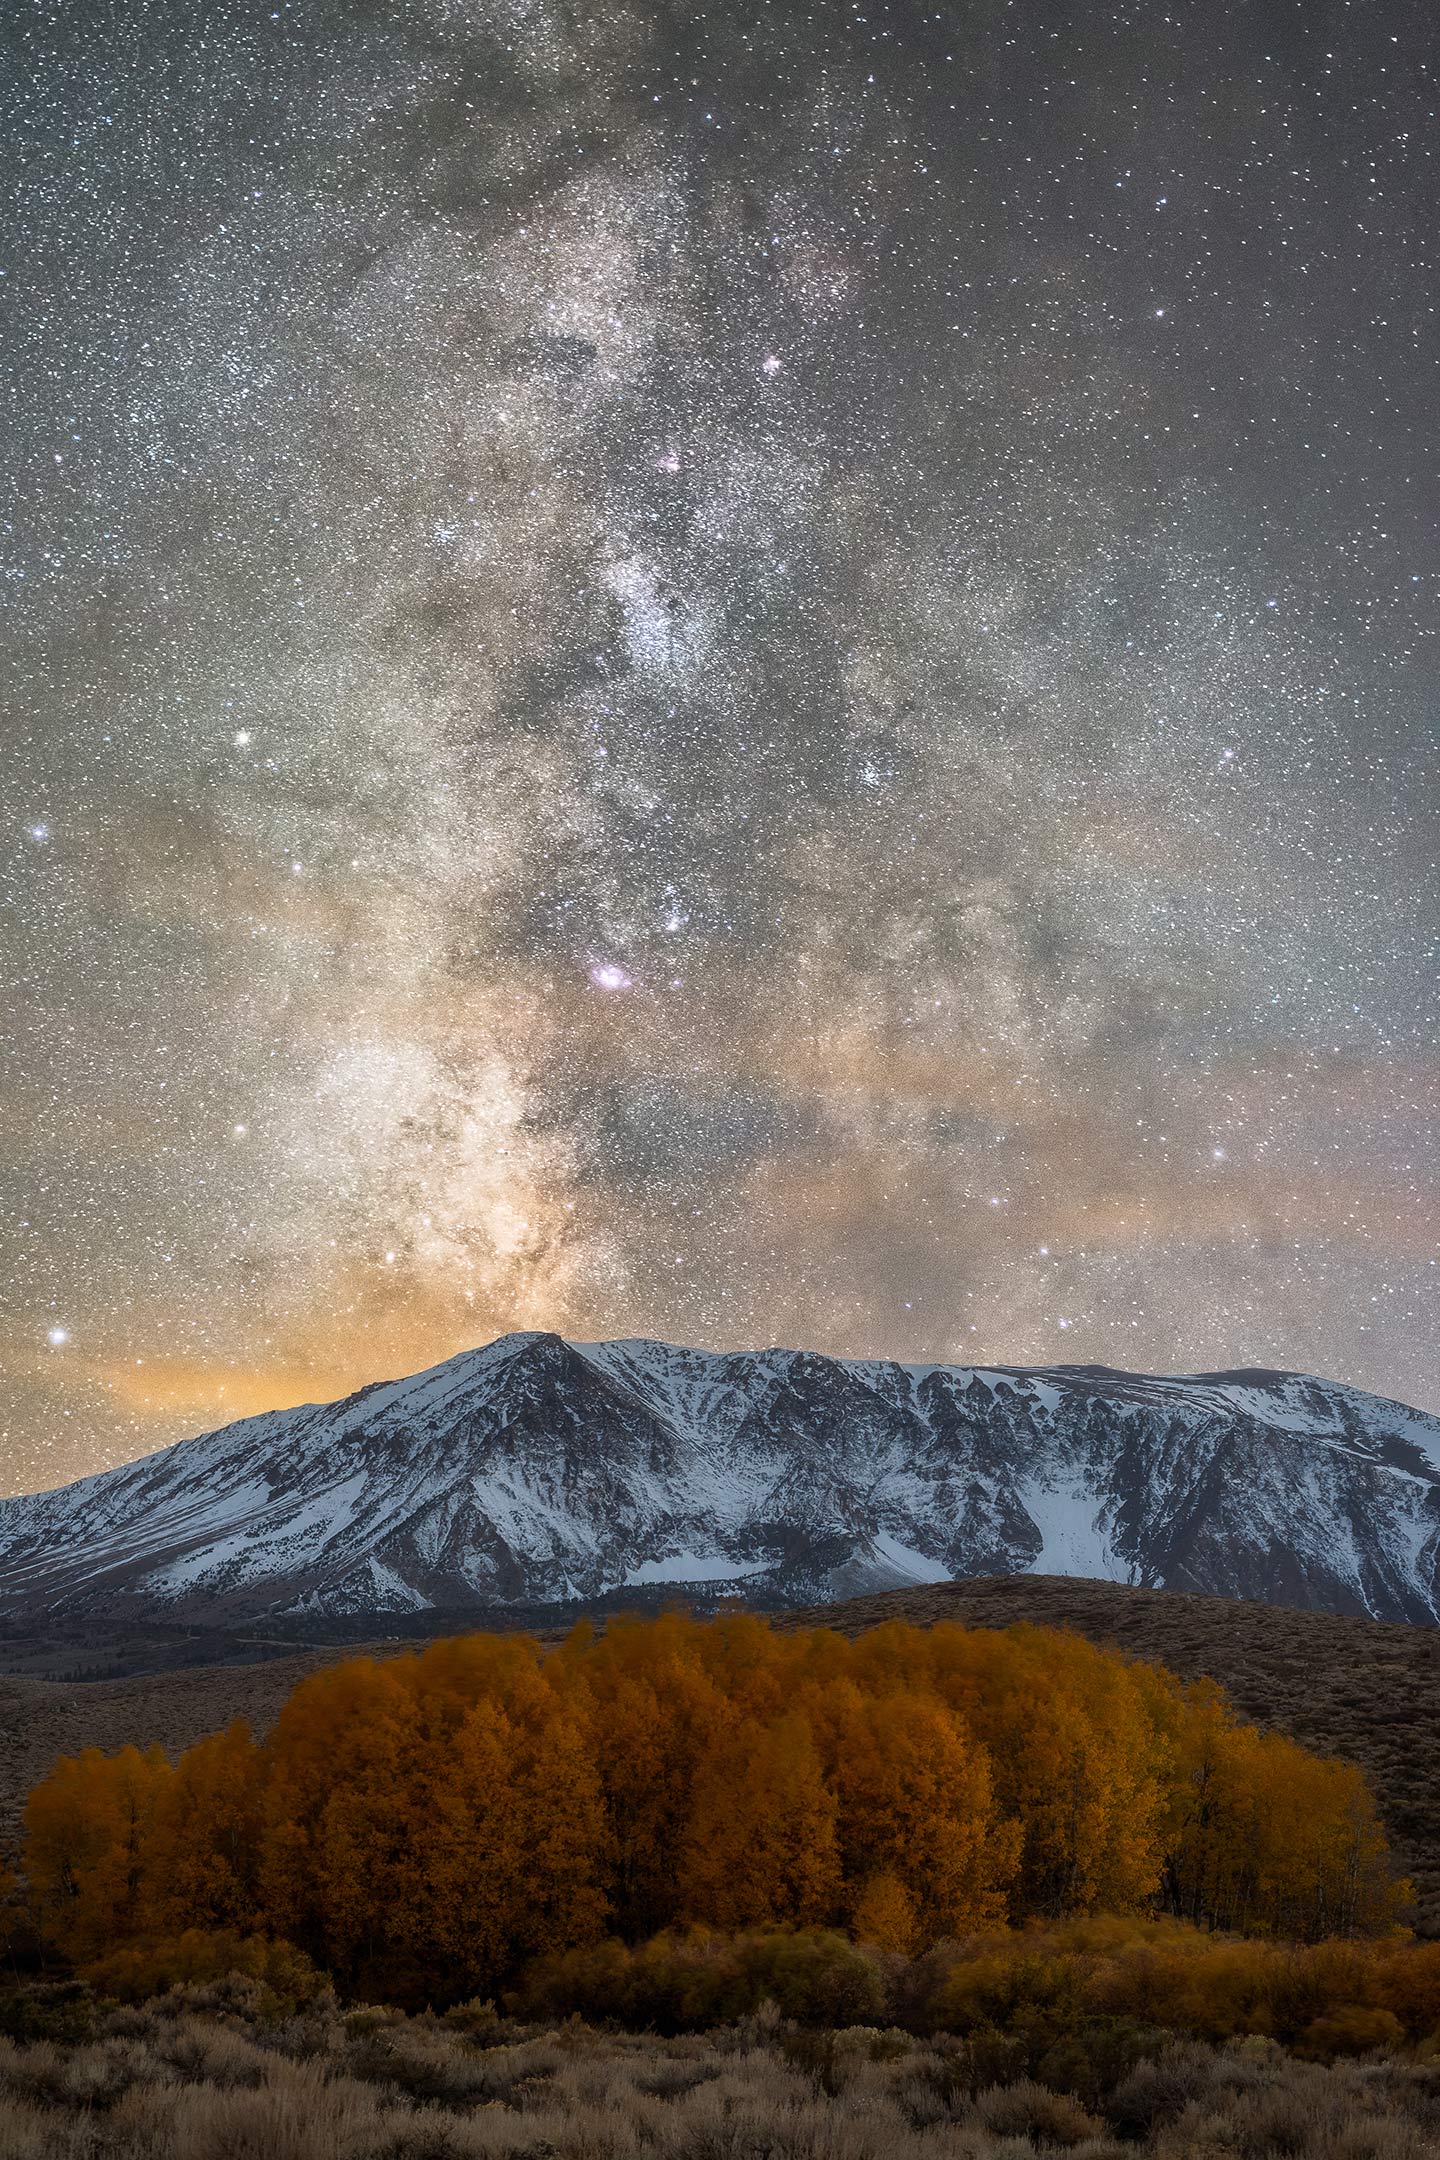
x,y
758,675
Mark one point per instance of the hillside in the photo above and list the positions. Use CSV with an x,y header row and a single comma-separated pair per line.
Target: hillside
x,y
536,1471
1363,1689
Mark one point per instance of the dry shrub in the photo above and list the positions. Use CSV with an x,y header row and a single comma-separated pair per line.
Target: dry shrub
x,y
688,1983
224,2085
478,2016
1159,2091
24,2132
672,2080
315,2034
48,2010
202,2053
362,2019
300,2114
1263,2104
928,2085
1028,2110
35,2073
1407,1981
97,2076
199,1957
1354,2029
130,2021
427,2065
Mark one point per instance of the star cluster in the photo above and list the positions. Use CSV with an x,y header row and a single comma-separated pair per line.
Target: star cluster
x,y
758,673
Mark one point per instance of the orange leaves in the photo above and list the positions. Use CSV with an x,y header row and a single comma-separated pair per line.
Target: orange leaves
x,y
761,1846
455,1840
564,1846
885,1915
425,1826
87,1827
203,1846
914,1793
653,1713
1080,1760
1268,1839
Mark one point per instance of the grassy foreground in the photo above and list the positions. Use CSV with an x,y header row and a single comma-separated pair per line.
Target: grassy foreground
x,y
220,2072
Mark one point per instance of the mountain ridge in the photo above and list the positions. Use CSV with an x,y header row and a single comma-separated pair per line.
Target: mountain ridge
x,y
537,1470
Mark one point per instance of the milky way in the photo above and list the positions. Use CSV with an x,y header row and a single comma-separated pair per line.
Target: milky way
x,y
758,676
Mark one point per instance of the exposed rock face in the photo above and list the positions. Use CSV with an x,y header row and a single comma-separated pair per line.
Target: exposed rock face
x,y
536,1470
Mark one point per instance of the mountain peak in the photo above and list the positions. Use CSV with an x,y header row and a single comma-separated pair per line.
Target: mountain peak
x,y
535,1470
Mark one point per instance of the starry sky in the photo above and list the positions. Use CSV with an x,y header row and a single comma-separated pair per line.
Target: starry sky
x,y
758,673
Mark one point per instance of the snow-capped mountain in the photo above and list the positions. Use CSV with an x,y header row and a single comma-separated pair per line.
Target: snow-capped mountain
x,y
537,1470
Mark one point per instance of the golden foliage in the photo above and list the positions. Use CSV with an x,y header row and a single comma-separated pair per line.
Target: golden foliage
x,y
426,1825
87,1829
1028,1995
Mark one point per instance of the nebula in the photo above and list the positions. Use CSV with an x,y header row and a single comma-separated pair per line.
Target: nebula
x,y
751,676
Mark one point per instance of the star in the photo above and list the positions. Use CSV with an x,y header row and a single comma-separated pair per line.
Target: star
x,y
787,800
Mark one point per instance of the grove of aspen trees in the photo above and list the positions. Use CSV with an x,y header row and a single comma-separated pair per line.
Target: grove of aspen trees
x,y
425,1827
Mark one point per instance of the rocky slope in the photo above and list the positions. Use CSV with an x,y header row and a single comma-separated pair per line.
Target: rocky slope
x,y
536,1471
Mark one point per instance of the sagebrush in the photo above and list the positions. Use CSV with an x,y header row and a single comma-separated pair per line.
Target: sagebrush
x,y
225,2071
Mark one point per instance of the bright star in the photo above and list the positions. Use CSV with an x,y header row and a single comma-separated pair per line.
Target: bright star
x,y
57,1336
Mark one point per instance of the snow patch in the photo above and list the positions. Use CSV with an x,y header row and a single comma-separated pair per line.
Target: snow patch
x,y
908,1562
1073,1535
687,1567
